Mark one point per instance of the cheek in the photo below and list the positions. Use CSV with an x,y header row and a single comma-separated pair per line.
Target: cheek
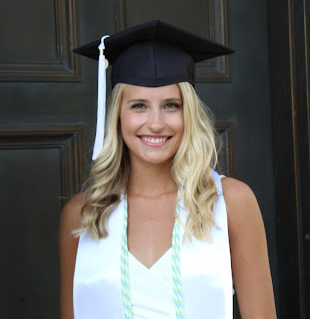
x,y
179,127
129,127
123,125
179,124
125,131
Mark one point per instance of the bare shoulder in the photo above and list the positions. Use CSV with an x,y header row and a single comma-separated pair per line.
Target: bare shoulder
x,y
74,204
71,213
240,200
236,192
243,213
248,248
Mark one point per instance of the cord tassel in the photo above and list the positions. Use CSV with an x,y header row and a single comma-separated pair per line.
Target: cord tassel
x,y
102,87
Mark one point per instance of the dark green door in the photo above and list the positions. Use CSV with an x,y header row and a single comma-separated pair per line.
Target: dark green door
x,y
48,110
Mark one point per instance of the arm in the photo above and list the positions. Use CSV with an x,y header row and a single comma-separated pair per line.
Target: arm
x,y
70,220
249,255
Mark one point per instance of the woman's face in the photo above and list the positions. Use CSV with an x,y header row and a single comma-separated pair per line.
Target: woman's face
x,y
152,122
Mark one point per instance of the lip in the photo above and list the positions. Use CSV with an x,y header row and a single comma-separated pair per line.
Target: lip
x,y
146,139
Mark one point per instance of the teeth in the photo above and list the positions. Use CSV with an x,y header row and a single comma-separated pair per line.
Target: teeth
x,y
154,140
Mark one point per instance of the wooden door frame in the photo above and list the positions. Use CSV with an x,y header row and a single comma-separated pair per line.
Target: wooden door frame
x,y
289,63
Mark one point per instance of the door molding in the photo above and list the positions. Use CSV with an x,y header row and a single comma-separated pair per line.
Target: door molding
x,y
68,139
289,61
65,67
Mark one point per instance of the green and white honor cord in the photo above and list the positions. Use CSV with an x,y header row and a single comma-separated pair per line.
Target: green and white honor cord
x,y
124,265
176,274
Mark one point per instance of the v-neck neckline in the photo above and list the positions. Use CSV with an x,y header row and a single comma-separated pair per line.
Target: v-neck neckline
x,y
157,262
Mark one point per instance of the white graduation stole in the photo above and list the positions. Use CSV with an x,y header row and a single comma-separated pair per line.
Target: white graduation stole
x,y
205,271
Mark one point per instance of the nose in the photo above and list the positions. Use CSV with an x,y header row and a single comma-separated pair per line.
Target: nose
x,y
156,120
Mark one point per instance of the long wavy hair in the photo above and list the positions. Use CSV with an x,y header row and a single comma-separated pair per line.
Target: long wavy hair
x,y
190,169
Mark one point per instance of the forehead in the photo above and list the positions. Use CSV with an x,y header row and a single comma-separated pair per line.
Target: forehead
x,y
151,93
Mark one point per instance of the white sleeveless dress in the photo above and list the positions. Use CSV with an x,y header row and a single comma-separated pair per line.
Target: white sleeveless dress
x,y
151,288
205,271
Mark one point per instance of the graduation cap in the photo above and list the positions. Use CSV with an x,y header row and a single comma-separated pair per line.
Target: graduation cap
x,y
151,54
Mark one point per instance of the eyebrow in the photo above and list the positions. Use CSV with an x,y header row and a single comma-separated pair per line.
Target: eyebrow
x,y
176,99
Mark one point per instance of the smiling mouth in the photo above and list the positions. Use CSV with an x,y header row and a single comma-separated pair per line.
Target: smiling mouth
x,y
154,140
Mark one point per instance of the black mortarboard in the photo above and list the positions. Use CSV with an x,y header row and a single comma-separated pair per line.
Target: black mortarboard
x,y
151,54
154,54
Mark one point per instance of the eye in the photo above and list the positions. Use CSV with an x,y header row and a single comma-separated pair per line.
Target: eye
x,y
138,106
172,106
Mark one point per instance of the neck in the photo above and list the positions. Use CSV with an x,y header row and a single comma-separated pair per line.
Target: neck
x,y
150,180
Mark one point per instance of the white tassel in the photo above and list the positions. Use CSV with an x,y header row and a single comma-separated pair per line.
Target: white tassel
x,y
101,100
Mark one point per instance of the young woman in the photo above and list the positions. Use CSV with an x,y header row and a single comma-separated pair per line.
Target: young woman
x,y
158,233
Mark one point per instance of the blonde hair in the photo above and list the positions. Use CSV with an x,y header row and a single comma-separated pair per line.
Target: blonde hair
x,y
191,169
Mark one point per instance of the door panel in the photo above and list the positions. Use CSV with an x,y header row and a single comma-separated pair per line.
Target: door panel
x,y
289,34
38,40
41,167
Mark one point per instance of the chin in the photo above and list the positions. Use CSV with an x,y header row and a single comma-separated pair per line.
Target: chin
x,y
156,160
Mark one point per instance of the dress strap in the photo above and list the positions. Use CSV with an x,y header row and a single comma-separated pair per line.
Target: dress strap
x,y
218,183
